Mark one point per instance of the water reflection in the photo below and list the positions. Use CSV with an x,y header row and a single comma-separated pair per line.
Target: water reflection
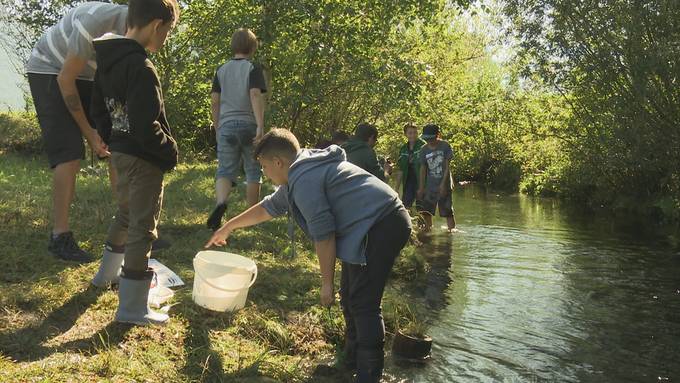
x,y
533,292
437,252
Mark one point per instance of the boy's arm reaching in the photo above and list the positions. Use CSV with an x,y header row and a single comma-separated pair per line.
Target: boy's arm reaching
x,y
325,250
254,215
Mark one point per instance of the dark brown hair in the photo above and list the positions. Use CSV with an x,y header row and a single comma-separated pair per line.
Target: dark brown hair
x,y
243,41
364,131
410,126
143,12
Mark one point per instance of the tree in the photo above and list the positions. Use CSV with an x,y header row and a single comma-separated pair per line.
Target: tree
x,y
616,64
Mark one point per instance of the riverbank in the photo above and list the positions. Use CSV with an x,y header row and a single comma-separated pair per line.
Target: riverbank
x,y
55,326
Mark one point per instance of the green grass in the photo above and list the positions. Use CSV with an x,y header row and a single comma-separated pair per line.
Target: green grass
x,y
55,327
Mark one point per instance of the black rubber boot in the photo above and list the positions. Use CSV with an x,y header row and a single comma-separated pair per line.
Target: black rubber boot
x,y
369,365
349,358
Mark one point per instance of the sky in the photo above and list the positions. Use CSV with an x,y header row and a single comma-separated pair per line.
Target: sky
x,y
11,84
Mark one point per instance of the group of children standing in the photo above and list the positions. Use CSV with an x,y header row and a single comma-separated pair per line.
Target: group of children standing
x,y
350,214
425,174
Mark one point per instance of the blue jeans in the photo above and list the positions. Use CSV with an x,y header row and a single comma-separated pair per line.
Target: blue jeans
x,y
235,145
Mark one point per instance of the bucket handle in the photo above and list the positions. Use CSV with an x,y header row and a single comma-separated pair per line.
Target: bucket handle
x,y
207,282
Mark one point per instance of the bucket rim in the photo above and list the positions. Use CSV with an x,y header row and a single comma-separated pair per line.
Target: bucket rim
x,y
251,268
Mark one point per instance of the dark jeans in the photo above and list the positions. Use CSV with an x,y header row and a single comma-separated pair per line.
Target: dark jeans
x,y
410,191
362,286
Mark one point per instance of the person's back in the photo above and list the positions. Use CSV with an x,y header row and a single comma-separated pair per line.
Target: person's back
x,y
359,149
133,120
73,33
237,106
128,106
323,179
234,84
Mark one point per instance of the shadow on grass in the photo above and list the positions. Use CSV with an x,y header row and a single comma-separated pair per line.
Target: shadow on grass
x,y
284,288
203,363
25,256
113,334
26,344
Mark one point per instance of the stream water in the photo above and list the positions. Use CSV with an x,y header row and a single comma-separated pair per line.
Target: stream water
x,y
533,292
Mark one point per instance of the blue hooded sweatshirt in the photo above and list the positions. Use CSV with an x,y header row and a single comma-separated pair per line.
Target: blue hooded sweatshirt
x,y
326,194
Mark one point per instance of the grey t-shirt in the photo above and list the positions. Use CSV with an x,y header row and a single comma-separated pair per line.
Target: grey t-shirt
x,y
434,160
74,33
233,81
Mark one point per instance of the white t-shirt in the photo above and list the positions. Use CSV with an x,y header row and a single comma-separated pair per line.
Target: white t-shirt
x,y
74,33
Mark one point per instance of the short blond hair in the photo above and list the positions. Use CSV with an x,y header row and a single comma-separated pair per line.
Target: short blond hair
x,y
243,41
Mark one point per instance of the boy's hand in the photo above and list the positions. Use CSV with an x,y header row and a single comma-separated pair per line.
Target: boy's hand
x,y
259,133
421,193
97,145
442,191
327,294
220,237
388,168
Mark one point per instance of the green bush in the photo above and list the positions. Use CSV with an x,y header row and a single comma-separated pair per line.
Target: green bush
x,y
19,132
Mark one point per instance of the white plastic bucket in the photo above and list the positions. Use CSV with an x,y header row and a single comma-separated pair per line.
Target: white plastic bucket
x,y
222,280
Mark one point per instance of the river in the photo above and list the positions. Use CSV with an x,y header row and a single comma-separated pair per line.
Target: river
x,y
533,292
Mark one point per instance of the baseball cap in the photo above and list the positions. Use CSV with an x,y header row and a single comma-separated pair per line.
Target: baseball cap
x,y
430,132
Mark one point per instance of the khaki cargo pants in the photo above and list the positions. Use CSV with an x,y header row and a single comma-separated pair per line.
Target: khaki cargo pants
x,y
139,192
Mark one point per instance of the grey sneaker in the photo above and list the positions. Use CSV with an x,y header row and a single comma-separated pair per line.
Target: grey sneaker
x,y
65,247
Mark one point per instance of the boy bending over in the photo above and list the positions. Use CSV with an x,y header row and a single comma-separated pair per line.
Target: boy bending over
x,y
349,214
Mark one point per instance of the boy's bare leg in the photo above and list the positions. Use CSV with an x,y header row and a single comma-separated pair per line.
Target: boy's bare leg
x,y
222,190
451,222
428,222
63,190
253,193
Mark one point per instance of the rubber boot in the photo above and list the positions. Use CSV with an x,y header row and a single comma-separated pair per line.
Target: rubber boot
x,y
350,349
133,296
369,365
109,268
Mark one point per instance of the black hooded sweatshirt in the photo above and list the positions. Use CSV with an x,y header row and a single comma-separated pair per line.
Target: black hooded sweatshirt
x,y
127,103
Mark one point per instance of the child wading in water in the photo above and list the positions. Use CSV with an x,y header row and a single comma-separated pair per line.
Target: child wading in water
x,y
349,214
436,182
409,164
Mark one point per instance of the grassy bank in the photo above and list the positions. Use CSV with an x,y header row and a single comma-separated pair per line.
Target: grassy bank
x,y
55,327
